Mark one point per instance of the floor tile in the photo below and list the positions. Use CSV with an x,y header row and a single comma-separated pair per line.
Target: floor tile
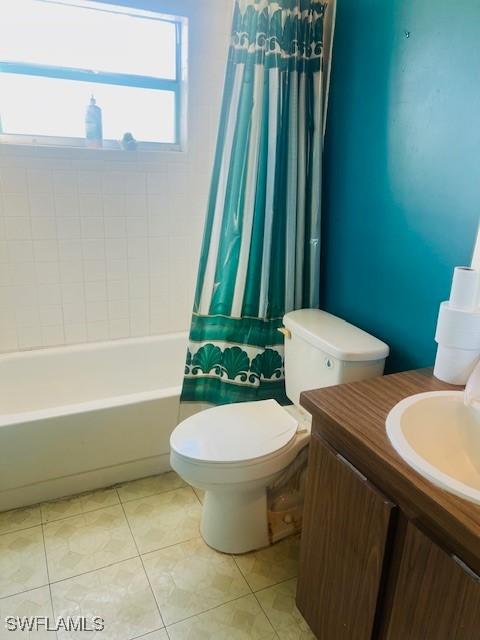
x,y
75,505
19,519
28,604
120,594
150,486
242,619
190,578
271,565
22,561
278,602
87,542
164,519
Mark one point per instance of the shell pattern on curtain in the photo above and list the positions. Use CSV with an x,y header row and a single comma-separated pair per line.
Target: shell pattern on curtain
x,y
260,256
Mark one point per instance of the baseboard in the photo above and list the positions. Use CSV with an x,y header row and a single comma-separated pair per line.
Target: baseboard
x,y
86,481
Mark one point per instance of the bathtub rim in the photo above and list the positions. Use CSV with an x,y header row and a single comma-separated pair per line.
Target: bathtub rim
x,y
111,402
108,402
91,346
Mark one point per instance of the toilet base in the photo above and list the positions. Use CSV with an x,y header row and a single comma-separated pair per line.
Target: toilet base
x,y
235,521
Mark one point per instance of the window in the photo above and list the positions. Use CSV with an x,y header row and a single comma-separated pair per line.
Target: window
x,y
56,54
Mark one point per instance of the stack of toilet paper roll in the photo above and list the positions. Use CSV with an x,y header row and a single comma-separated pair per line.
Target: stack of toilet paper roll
x,y
458,329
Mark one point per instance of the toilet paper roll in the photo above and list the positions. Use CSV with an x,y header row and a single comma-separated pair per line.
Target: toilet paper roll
x,y
465,288
455,366
458,328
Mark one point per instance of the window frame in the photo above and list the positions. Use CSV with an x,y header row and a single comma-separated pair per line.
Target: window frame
x,y
178,85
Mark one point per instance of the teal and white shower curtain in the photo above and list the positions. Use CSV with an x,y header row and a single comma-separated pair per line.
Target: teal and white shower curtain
x,y
260,256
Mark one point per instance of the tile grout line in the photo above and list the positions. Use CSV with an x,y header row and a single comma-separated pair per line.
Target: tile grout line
x,y
218,606
169,546
33,526
48,572
143,565
145,635
84,573
265,613
243,575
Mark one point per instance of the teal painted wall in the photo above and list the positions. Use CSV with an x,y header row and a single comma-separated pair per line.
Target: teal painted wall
x,y
402,166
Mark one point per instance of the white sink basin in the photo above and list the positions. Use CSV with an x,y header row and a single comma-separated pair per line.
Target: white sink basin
x,y
437,435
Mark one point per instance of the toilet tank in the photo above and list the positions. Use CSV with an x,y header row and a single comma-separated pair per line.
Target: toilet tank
x,y
322,350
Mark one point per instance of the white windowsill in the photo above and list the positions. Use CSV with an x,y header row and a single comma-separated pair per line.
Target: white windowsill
x,y
79,144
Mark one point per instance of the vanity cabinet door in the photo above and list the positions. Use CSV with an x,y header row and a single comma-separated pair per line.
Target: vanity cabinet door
x,y
344,538
436,597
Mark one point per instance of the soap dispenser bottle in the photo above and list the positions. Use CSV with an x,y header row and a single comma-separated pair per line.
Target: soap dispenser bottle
x,y
93,125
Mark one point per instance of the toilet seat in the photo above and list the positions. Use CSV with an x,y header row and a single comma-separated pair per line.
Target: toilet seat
x,y
236,443
236,433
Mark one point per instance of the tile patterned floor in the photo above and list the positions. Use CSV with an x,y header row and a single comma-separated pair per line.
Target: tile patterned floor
x,y
133,555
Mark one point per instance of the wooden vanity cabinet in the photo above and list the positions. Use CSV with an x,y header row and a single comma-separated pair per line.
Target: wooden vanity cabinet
x,y
435,595
346,529
367,573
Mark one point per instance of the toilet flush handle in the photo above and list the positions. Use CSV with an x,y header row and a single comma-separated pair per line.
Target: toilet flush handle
x,y
285,332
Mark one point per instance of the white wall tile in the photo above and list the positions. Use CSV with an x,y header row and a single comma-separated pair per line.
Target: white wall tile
x,y
89,182
92,227
20,251
50,294
41,205
8,339
70,250
119,328
71,271
118,309
65,182
73,293
117,289
39,181
44,227
15,204
51,315
103,245
115,227
48,272
93,249
13,180
68,228
45,250
17,228
96,311
75,333
74,313
29,337
94,270
97,331
53,336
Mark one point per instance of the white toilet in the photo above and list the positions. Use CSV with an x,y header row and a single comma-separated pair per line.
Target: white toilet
x,y
235,452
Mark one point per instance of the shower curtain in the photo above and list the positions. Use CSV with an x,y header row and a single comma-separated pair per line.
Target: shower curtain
x,y
260,256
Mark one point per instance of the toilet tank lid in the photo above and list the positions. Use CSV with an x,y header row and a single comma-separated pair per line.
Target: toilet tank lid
x,y
335,336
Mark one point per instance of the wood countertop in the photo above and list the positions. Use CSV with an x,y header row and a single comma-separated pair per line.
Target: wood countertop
x,y
351,417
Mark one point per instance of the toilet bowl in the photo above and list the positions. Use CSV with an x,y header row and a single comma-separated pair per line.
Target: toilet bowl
x,y
237,452
234,453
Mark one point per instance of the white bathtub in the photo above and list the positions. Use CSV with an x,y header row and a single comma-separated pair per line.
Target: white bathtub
x,y
78,418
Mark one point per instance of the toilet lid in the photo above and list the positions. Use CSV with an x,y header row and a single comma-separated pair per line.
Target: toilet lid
x,y
235,432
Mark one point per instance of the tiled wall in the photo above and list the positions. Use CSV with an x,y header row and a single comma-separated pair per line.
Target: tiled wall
x,y
99,245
